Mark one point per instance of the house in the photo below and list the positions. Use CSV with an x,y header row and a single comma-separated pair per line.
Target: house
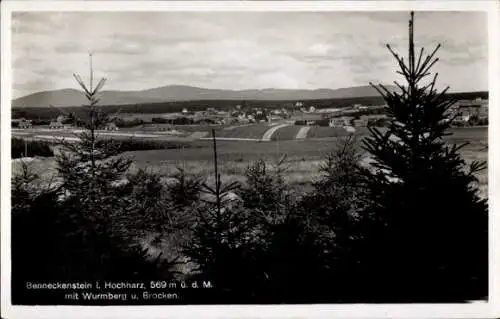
x,y
184,111
461,120
61,118
373,117
55,125
340,121
468,108
204,120
157,127
175,118
111,127
22,123
274,118
359,107
360,123
25,124
308,119
328,110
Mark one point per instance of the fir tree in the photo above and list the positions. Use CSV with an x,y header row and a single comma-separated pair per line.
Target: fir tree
x,y
221,240
98,198
332,213
285,258
266,191
185,189
428,228
89,167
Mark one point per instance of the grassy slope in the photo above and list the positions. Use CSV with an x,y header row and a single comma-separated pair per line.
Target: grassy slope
x,y
304,156
250,131
286,133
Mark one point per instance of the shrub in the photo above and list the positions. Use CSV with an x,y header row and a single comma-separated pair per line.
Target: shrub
x,y
132,144
483,121
332,212
128,123
149,209
264,190
185,190
222,242
286,257
34,148
36,234
473,120
160,120
40,122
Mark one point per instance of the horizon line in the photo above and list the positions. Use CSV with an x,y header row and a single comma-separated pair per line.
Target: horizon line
x,y
236,90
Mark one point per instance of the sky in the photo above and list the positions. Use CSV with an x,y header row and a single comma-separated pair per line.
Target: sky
x,y
241,50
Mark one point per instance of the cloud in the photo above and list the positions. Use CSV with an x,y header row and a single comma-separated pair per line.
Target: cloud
x,y
245,50
66,48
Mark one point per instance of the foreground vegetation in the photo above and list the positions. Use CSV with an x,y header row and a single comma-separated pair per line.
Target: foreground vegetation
x,y
24,148
33,148
409,227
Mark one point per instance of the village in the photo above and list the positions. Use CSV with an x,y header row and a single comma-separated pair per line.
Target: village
x,y
463,113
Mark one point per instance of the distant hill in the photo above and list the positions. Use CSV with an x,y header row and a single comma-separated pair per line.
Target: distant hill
x,y
179,93
50,113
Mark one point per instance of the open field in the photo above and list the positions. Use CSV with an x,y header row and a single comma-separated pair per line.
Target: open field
x,y
262,131
286,133
256,131
307,149
303,156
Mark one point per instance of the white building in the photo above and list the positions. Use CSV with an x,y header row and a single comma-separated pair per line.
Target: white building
x,y
56,125
339,121
111,127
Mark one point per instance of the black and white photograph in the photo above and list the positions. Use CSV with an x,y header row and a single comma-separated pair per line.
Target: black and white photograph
x,y
247,157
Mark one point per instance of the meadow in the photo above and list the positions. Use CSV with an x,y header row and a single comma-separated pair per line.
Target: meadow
x,y
303,156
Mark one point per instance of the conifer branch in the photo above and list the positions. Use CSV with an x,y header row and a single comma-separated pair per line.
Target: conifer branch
x,y
419,58
82,84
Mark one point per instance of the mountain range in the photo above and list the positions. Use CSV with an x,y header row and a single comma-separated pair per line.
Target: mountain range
x,y
170,93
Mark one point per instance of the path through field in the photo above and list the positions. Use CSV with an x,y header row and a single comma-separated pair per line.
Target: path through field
x,y
302,133
230,139
252,132
198,135
269,133
236,126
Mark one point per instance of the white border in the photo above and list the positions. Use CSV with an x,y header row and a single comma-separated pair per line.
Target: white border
x,y
476,310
